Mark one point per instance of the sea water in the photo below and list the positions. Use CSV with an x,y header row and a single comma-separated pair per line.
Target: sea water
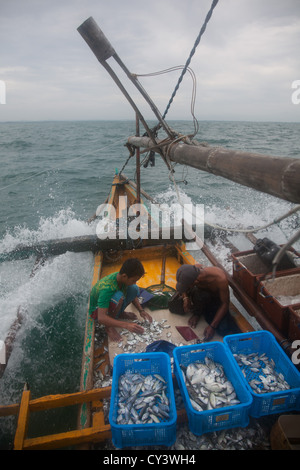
x,y
53,177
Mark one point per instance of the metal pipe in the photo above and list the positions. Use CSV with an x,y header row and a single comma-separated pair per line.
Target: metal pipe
x,y
103,50
278,176
137,84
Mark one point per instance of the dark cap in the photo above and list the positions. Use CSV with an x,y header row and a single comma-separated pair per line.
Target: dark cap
x,y
185,277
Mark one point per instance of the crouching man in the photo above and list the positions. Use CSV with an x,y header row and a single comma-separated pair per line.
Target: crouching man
x,y
205,291
111,295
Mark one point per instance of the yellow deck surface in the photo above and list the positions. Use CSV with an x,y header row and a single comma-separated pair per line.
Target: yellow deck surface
x,y
153,269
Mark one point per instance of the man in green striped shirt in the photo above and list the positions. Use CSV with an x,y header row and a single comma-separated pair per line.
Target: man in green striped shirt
x,y
111,295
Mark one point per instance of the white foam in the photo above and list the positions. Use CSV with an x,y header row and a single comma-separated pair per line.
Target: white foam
x,y
60,277
63,225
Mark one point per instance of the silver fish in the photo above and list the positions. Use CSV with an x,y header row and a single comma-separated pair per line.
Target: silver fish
x,y
207,385
248,438
261,374
142,399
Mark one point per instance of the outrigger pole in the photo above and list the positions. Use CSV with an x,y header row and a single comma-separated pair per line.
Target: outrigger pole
x,y
278,176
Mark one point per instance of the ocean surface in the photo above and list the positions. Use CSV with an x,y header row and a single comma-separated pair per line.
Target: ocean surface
x,y
53,177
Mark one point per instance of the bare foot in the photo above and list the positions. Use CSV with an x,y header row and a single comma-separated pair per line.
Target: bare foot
x,y
129,315
113,334
193,321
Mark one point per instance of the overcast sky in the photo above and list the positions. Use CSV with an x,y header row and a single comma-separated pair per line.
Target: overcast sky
x,y
245,63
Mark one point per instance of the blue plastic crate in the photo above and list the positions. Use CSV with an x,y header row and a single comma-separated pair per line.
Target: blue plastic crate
x,y
201,422
128,435
264,342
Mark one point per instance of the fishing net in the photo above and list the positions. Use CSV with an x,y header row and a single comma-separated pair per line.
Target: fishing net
x,y
161,296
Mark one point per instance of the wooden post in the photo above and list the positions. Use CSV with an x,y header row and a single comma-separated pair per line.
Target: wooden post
x,y
22,420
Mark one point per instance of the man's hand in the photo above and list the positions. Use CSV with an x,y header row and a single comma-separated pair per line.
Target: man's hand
x,y
208,333
186,304
146,316
134,328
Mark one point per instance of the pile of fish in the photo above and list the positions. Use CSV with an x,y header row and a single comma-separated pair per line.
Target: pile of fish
x,y
260,373
207,385
152,332
253,437
142,399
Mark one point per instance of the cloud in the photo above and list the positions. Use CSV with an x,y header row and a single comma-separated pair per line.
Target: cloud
x,y
245,63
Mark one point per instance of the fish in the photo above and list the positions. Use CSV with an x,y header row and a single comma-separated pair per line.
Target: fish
x,y
134,342
254,437
208,386
142,399
260,373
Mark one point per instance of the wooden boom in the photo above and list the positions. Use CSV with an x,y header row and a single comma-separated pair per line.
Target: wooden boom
x,y
278,176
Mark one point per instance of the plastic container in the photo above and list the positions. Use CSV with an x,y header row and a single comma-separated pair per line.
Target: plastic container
x,y
126,435
294,322
285,434
286,284
248,269
218,418
264,342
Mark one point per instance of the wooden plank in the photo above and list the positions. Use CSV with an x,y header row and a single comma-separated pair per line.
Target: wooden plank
x,y
239,319
22,421
59,400
88,351
55,441
8,410
56,401
98,415
186,256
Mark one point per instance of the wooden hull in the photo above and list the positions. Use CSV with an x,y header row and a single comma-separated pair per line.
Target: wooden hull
x,y
160,262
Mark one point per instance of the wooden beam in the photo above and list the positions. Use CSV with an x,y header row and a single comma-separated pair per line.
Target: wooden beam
x,y
86,380
22,420
278,176
71,438
58,401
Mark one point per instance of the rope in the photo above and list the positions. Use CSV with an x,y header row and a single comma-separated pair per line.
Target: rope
x,y
202,30
193,99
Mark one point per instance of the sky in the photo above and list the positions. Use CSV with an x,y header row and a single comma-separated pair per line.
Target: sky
x,y
245,64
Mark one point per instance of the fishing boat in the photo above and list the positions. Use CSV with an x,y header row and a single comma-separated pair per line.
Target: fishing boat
x,y
128,229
